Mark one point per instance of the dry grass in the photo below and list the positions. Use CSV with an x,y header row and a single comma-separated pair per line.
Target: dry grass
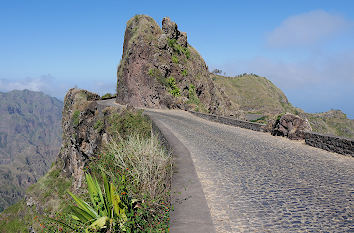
x,y
145,162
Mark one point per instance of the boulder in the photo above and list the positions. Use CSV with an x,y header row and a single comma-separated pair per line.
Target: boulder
x,y
291,126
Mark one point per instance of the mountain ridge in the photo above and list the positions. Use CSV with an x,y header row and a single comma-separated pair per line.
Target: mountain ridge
x,y
29,140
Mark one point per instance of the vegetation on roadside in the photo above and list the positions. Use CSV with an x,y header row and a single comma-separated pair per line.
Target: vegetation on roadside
x,y
107,95
133,164
121,125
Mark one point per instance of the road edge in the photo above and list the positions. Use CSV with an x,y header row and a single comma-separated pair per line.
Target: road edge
x,y
190,209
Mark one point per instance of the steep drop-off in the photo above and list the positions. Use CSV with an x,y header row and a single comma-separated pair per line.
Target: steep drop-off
x,y
86,127
30,137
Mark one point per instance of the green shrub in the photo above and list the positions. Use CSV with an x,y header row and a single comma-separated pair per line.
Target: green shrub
x,y
110,208
98,125
175,59
178,48
151,72
143,161
128,122
174,90
279,116
107,95
184,73
192,96
76,118
147,168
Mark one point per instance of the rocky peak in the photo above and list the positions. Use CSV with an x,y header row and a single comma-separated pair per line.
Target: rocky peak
x,y
170,28
171,31
159,69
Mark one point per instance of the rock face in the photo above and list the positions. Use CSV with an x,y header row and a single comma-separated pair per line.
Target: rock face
x,y
291,126
81,139
159,69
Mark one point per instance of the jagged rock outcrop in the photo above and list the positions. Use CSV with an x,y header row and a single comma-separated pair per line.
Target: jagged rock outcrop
x,y
81,139
159,69
291,126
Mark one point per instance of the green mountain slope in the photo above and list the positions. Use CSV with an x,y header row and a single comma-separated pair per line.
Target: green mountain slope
x,y
254,94
333,122
258,98
30,137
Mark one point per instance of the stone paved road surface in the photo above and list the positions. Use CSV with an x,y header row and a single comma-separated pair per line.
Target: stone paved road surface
x,y
254,182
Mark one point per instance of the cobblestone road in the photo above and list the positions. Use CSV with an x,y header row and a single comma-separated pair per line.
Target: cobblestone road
x,y
254,182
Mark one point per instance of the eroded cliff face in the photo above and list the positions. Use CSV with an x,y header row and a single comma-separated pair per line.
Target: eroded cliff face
x,y
80,138
160,69
30,137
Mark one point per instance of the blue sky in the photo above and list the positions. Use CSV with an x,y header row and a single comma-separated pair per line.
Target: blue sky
x,y
306,48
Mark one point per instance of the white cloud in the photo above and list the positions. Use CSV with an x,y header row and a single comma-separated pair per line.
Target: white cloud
x,y
54,86
315,84
307,29
45,83
33,84
331,69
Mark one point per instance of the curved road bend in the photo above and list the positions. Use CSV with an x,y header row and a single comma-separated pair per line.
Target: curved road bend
x,y
254,182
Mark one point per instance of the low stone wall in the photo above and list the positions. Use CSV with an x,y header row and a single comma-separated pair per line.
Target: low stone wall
x,y
231,121
330,143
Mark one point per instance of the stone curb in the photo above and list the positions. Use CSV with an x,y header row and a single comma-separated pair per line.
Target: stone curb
x,y
190,209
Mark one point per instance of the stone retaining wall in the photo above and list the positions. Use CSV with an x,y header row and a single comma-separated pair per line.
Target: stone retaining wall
x,y
330,143
325,142
231,121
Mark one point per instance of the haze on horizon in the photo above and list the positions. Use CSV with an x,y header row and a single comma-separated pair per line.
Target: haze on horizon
x,y
306,48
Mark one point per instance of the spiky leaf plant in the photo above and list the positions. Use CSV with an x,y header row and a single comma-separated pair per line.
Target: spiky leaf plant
x,y
108,210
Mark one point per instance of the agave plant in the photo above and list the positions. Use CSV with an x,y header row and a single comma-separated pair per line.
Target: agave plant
x,y
108,210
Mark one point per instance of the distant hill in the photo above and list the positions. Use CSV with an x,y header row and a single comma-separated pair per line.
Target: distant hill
x,y
30,138
260,100
333,122
254,94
